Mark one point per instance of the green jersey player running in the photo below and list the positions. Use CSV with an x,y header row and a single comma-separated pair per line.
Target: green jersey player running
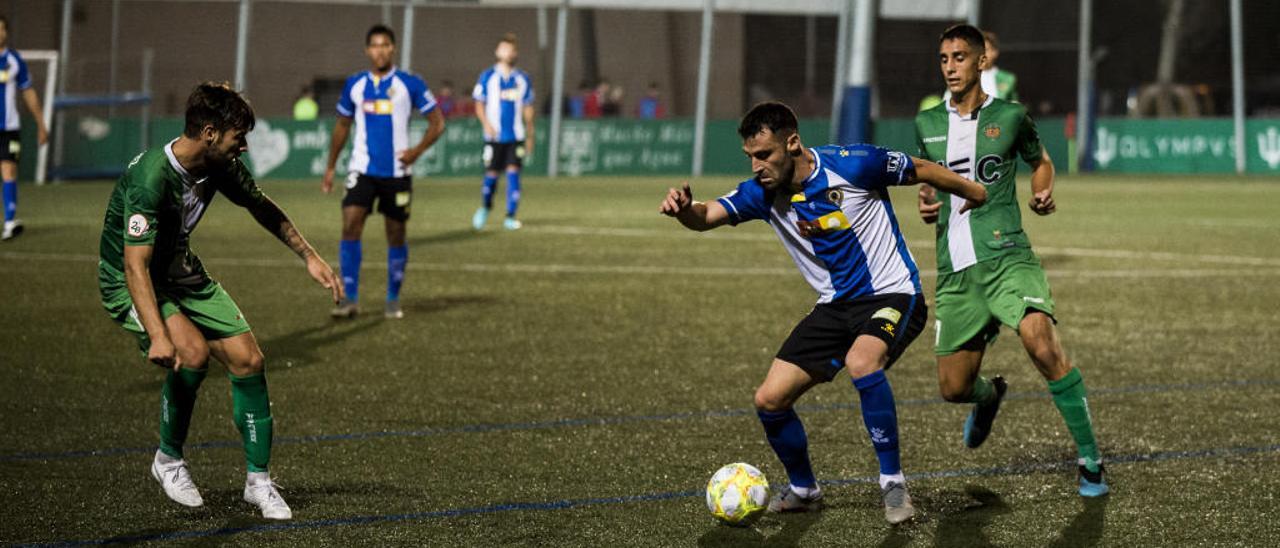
x,y
987,273
156,288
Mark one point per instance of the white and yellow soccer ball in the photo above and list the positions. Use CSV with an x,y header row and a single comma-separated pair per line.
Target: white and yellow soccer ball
x,y
737,493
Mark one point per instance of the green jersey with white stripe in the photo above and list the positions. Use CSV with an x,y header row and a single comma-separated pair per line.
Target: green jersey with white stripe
x,y
158,203
983,146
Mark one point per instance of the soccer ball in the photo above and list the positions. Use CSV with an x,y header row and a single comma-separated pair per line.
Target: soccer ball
x,y
737,493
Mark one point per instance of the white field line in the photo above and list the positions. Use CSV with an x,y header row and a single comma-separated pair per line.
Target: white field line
x,y
653,270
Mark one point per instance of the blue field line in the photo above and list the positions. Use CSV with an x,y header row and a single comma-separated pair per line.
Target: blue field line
x,y
566,504
598,421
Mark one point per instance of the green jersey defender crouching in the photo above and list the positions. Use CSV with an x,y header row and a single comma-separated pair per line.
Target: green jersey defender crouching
x,y
987,273
157,289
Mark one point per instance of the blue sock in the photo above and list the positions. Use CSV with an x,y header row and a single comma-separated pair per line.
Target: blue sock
x,y
350,254
881,417
10,200
786,436
396,259
486,192
513,193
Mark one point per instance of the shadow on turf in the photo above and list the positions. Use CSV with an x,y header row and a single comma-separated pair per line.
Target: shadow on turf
x,y
449,236
793,527
1086,528
966,527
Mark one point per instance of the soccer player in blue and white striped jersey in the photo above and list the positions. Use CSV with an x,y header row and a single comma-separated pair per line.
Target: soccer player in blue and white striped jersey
x,y
830,207
504,105
380,102
14,81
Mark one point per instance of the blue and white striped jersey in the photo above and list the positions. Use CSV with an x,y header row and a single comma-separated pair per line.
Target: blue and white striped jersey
x,y
504,98
840,230
381,108
13,79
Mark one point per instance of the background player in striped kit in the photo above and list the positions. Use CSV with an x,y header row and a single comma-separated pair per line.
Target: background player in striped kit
x,y
504,105
14,80
987,273
380,101
830,207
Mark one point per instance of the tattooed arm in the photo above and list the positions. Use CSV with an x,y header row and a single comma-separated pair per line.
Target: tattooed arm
x,y
274,219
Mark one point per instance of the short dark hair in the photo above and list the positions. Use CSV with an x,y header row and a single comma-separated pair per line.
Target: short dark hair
x,y
968,33
216,104
5,21
509,38
379,29
772,115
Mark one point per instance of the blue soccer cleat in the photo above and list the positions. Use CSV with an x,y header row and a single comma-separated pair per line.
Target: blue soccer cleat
x,y
512,223
978,426
480,218
1092,484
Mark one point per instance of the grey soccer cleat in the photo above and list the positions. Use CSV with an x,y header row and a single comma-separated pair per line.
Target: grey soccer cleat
x,y
897,503
345,310
786,500
393,311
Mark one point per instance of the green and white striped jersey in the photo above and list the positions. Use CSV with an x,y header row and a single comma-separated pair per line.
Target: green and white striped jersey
x,y
983,146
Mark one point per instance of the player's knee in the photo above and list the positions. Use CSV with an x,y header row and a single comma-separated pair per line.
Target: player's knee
x,y
858,367
195,356
771,402
954,392
251,363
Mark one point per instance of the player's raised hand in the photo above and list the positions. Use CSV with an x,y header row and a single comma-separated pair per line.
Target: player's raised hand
x,y
326,184
1042,203
929,205
676,201
163,353
322,274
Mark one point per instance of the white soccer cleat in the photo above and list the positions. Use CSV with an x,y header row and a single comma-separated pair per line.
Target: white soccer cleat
x,y
11,229
262,492
176,480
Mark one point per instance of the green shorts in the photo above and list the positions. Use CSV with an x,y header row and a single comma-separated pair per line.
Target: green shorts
x,y
975,301
208,306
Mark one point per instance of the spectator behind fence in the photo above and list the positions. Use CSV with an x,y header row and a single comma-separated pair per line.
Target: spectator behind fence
x,y
650,106
305,108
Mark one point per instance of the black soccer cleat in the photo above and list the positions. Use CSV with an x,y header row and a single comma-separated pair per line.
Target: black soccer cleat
x,y
978,426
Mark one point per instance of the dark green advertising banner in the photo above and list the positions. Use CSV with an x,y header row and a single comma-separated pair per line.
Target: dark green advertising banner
x,y
287,149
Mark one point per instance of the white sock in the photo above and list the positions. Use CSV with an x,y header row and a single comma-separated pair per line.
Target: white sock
x,y
886,479
164,459
806,492
258,478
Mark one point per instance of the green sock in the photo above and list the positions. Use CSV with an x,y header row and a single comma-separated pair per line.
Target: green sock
x,y
1069,396
983,391
252,410
177,400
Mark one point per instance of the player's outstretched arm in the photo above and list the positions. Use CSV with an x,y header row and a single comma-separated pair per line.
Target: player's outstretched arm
x,y
272,218
435,128
946,180
137,277
341,129
1042,175
693,215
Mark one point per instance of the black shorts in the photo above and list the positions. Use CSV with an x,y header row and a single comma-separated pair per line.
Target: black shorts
x,y
497,156
10,144
820,342
394,194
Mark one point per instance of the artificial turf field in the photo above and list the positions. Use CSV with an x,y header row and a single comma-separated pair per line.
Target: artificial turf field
x,y
575,383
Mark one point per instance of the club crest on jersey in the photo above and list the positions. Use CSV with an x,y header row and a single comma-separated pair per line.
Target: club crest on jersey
x,y
835,196
138,225
992,131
